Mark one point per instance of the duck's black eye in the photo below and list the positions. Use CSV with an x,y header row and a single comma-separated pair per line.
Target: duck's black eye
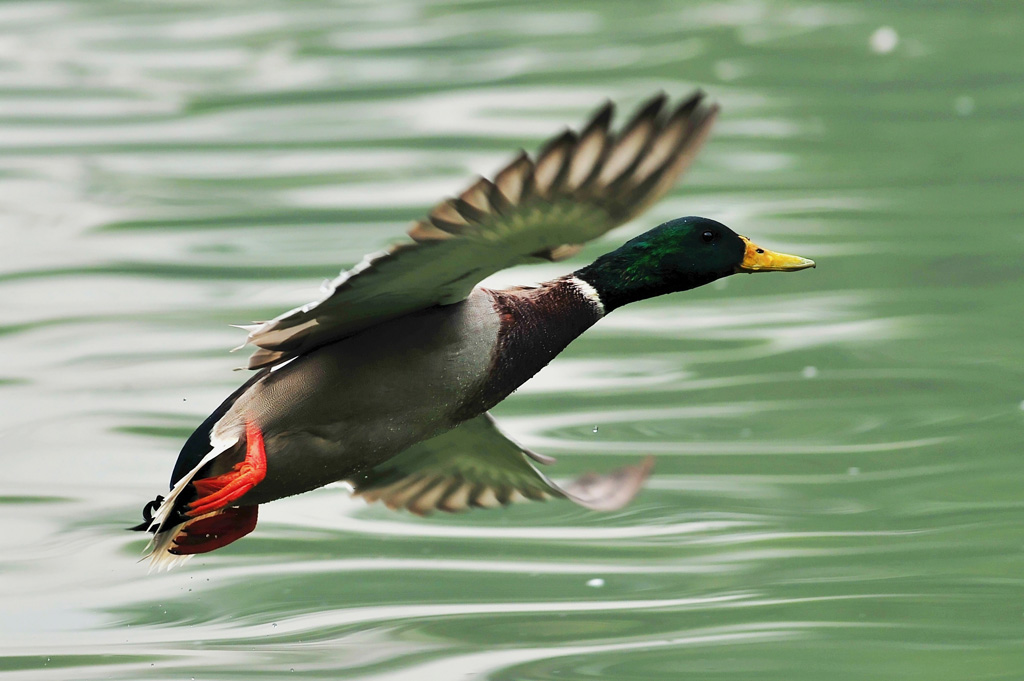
x,y
708,236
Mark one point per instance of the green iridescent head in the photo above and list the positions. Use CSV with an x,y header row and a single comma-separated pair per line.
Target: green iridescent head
x,y
677,256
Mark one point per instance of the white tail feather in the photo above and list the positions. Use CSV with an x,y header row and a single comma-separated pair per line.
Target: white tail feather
x,y
157,548
164,510
158,553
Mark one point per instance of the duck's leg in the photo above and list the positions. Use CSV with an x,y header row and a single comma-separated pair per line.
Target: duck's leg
x,y
219,491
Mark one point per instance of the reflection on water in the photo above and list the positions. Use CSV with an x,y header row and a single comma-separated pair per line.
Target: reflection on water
x,y
837,492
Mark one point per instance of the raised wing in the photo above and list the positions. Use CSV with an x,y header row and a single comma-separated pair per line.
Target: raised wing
x,y
579,187
475,464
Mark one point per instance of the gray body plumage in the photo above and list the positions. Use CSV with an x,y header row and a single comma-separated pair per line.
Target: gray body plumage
x,y
350,405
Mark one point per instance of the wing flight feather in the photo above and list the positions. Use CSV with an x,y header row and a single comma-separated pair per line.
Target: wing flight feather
x,y
476,465
579,187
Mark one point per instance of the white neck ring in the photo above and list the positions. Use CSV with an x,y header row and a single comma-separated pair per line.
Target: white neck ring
x,y
589,292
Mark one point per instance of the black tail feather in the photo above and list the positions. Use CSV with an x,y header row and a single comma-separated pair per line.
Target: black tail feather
x,y
147,516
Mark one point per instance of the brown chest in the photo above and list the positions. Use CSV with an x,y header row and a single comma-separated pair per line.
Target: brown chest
x,y
536,325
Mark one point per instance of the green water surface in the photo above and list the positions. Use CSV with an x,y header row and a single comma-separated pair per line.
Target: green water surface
x,y
838,493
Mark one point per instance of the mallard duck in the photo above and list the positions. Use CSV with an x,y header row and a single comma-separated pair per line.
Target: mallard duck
x,y
385,382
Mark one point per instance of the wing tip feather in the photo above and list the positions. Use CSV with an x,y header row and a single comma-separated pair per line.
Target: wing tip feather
x,y
610,491
605,178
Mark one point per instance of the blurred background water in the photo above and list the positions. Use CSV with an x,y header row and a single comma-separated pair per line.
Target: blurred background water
x,y
838,488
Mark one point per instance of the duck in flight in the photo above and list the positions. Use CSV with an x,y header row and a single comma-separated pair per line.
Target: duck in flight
x,y
385,382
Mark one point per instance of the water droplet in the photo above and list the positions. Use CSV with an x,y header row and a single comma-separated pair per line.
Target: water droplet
x,y
884,40
964,105
597,582
809,372
727,70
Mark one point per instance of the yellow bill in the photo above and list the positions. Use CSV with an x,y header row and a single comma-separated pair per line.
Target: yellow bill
x,y
757,259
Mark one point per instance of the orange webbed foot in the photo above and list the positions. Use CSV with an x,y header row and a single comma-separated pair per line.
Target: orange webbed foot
x,y
219,491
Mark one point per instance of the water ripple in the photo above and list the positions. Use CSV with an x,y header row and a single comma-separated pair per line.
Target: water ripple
x,y
839,488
